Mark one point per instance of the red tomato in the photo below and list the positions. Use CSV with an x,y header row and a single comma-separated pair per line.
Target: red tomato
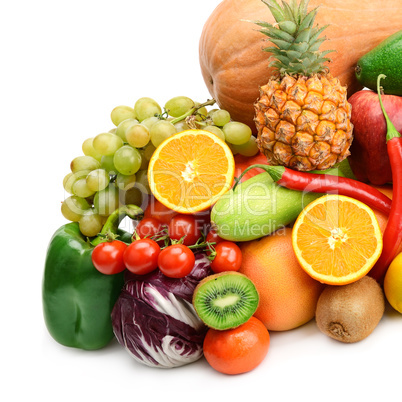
x,y
176,261
185,226
107,257
203,219
228,257
149,227
213,237
156,209
141,256
237,350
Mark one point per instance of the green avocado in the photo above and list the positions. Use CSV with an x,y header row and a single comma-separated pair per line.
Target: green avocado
x,y
386,58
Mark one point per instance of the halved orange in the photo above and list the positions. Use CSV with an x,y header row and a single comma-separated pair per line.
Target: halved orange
x,y
190,170
337,239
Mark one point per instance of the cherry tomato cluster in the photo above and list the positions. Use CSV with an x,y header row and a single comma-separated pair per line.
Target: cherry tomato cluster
x,y
167,246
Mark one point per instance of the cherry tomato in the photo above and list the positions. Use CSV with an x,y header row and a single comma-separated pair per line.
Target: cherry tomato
x,y
228,257
141,256
212,237
107,257
176,261
156,209
150,227
185,226
203,219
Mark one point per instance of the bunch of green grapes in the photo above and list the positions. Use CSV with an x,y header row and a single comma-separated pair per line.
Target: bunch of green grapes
x,y
113,169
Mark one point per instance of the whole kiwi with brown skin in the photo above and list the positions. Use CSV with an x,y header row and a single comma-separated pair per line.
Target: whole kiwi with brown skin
x,y
350,313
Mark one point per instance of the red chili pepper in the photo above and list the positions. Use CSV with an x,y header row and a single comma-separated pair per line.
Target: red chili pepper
x,y
329,184
392,236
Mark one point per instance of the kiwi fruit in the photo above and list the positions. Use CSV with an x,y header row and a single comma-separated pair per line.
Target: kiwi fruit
x,y
350,313
225,300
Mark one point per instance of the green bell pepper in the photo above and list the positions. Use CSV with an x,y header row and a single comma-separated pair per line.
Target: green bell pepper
x,y
77,298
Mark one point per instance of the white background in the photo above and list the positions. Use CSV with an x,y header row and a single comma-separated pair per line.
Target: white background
x,y
64,66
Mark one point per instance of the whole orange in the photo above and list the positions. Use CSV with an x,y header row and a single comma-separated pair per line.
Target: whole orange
x,y
237,350
288,295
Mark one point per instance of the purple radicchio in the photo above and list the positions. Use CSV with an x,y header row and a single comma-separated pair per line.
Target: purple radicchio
x,y
155,320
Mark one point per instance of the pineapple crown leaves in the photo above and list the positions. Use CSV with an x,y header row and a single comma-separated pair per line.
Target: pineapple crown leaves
x,y
296,41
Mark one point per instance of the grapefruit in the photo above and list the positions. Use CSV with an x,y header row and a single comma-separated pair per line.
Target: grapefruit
x,y
288,295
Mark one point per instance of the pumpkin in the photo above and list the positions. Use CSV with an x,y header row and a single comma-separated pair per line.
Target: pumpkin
x,y
234,65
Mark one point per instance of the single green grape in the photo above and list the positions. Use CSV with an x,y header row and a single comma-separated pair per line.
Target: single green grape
x,y
97,180
142,181
138,135
250,148
179,105
146,107
71,178
211,112
66,180
144,160
132,196
137,193
216,130
124,182
129,194
88,149
84,163
121,129
107,200
80,188
231,146
236,133
160,131
121,113
149,151
107,143
108,165
150,121
90,223
181,126
73,207
220,117
127,160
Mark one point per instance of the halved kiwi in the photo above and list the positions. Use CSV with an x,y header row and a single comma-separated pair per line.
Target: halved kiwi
x,y
225,300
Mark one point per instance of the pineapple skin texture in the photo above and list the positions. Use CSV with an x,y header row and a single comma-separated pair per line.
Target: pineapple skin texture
x,y
304,122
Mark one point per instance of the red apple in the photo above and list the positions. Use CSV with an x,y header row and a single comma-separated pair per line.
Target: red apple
x,y
369,158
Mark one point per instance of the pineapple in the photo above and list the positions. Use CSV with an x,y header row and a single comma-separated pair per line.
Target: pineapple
x,y
302,114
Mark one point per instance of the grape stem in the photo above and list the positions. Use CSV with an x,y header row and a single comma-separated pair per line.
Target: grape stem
x,y
209,102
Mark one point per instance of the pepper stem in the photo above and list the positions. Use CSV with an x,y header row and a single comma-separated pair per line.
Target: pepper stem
x,y
113,221
392,132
